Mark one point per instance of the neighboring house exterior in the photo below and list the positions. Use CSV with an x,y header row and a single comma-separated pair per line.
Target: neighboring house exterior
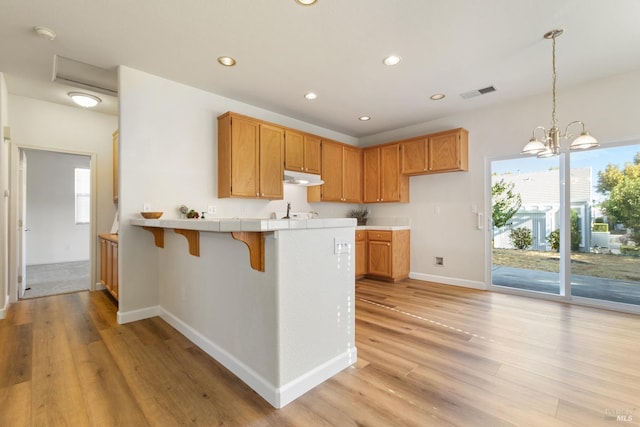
x,y
540,210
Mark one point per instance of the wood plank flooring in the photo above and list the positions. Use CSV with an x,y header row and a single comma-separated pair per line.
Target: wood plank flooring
x,y
428,355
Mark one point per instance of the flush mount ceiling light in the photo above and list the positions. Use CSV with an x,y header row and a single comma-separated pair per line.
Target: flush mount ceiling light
x,y
549,145
227,61
45,33
310,95
84,99
437,96
391,60
305,2
364,118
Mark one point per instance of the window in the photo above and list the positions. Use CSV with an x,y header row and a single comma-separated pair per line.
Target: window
x,y
83,195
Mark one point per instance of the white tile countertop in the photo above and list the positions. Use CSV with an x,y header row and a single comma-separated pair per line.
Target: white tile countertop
x,y
383,227
225,225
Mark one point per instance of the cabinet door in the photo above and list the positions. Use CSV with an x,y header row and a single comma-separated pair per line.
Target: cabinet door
x,y
414,157
379,253
271,161
312,154
116,149
371,181
294,151
390,173
445,152
104,252
114,269
331,171
244,158
352,175
361,253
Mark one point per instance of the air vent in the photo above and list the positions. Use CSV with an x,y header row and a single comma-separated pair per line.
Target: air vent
x,y
478,92
85,76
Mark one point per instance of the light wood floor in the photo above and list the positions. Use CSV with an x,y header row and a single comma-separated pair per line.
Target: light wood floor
x,y
429,355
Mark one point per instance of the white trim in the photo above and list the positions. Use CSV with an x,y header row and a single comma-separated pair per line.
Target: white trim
x,y
449,281
296,388
3,310
278,397
140,314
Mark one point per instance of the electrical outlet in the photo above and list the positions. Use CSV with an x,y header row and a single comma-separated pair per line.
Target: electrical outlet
x,y
439,261
211,209
341,246
146,207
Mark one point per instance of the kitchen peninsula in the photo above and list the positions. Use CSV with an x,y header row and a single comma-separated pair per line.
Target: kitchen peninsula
x,y
274,298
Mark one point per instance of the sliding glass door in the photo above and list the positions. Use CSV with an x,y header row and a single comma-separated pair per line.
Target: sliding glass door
x,y
525,212
605,224
569,226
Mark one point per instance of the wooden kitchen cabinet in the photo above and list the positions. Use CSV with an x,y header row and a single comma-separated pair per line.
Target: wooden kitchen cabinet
x,y
250,158
446,151
361,253
341,173
109,263
388,254
383,181
116,149
302,152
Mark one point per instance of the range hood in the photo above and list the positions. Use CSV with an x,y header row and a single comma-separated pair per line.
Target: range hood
x,y
302,179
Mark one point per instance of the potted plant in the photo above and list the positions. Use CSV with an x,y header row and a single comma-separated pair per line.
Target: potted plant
x,y
360,214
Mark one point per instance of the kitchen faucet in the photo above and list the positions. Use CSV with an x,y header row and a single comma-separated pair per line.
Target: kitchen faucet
x,y
288,209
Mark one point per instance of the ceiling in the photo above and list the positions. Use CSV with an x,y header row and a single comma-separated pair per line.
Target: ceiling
x,y
334,48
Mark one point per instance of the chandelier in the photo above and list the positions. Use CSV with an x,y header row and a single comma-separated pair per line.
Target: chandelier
x,y
549,144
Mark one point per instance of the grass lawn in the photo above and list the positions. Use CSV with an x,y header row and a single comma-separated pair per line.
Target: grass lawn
x,y
586,264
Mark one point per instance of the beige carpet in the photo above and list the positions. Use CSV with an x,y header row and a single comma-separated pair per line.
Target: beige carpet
x,y
53,279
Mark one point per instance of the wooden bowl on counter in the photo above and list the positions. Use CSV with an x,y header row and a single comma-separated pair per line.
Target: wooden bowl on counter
x,y
151,215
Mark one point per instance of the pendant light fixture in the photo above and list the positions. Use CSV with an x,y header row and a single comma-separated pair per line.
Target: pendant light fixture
x,y
549,144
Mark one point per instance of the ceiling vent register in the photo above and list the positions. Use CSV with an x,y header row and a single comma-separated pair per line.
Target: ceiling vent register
x,y
478,92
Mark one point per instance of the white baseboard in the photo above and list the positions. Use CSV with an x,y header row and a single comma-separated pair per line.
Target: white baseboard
x,y
449,281
143,313
278,397
5,306
296,388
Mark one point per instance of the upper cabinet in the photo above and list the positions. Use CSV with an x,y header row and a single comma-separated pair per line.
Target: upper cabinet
x,y
383,181
341,173
302,152
250,158
253,154
441,152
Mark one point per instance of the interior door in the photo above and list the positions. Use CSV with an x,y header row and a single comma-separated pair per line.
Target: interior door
x,y
22,224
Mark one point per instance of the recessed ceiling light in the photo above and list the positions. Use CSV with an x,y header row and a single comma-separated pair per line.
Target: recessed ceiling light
x,y
84,99
227,61
391,60
306,2
310,95
437,96
45,33
364,118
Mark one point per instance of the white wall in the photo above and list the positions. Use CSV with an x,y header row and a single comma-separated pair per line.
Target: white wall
x,y
442,223
54,236
168,149
4,201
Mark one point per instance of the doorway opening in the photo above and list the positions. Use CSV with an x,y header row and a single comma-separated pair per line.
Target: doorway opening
x,y
54,222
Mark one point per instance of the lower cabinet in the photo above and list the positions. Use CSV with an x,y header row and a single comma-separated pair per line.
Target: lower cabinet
x,y
361,253
109,263
382,254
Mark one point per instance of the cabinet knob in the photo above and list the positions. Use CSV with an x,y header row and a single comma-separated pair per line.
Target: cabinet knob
x,y
388,244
